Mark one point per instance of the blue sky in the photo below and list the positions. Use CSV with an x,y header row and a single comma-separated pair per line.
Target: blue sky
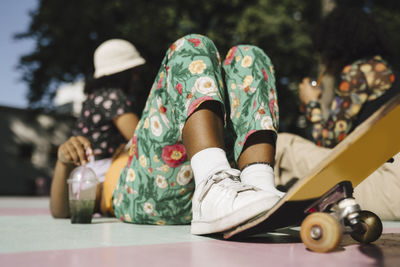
x,y
14,18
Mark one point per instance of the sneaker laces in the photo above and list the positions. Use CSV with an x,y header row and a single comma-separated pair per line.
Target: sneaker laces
x,y
235,184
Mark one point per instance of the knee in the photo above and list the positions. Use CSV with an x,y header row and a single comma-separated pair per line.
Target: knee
x,y
198,36
247,48
246,54
251,49
196,40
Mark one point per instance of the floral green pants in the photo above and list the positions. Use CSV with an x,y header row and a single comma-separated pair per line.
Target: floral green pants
x,y
157,184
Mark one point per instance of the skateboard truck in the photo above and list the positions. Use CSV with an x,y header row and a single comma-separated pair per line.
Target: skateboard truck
x,y
339,192
339,200
363,226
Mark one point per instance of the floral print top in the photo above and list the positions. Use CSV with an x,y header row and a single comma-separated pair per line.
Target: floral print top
x,y
96,120
362,81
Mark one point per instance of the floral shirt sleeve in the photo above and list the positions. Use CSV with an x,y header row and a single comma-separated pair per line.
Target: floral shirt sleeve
x,y
96,120
362,81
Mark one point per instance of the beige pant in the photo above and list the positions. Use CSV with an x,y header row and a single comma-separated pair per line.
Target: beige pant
x,y
379,193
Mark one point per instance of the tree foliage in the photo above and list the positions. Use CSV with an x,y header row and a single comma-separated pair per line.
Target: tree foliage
x,y
67,33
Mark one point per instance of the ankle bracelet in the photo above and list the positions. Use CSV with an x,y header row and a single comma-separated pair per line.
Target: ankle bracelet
x,y
258,162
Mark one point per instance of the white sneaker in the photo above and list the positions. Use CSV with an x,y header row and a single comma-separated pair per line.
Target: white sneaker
x,y
275,191
222,202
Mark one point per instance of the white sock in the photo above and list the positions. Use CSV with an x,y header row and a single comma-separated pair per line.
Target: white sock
x,y
207,162
259,175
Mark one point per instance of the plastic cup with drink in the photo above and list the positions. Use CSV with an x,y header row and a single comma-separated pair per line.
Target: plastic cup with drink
x,y
82,186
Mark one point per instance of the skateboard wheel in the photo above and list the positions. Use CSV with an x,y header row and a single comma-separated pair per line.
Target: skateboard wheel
x,y
320,232
371,227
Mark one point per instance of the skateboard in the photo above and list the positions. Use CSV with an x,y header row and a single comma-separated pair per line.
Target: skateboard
x,y
322,202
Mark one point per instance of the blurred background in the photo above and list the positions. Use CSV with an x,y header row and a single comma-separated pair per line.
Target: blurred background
x,y
47,48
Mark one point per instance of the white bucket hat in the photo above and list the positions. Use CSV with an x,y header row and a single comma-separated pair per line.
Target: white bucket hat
x,y
114,56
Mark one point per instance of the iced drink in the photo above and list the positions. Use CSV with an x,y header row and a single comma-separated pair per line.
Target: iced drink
x,y
82,194
81,210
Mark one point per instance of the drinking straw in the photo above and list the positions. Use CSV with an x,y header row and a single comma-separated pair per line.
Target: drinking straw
x,y
80,182
90,156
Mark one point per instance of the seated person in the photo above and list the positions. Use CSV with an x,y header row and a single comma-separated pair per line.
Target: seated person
x,y
349,41
106,122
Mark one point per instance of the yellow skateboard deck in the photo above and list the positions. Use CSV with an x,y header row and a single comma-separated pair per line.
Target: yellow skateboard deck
x,y
369,146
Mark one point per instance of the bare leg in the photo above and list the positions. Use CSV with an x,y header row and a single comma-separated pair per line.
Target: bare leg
x,y
259,147
259,150
204,128
214,208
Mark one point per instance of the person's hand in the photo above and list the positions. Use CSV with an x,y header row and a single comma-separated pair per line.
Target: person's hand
x,y
307,92
76,150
